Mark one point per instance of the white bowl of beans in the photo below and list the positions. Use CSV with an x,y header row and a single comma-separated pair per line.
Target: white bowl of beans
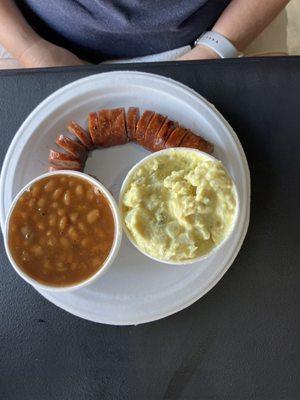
x,y
63,231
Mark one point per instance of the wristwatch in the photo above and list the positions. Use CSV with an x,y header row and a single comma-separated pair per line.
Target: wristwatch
x,y
219,44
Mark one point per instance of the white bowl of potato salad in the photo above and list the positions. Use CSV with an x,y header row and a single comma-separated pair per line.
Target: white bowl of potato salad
x,y
179,205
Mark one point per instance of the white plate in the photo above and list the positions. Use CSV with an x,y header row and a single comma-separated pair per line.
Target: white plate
x,y
135,289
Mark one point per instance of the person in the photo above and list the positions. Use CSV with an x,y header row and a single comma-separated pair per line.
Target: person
x,y
74,32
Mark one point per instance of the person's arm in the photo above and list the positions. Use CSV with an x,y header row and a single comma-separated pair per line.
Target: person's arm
x,y
241,22
25,45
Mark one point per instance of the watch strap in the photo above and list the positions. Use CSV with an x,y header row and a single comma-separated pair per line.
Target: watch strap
x,y
218,43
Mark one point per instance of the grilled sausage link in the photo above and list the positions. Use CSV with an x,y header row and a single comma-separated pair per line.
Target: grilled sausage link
x,y
111,127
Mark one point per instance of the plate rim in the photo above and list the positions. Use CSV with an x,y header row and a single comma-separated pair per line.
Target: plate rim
x,y
213,110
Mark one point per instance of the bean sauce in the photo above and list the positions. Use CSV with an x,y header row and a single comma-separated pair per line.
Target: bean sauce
x,y
61,230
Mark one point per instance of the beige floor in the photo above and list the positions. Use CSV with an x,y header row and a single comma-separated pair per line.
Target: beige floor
x,y
282,36
293,31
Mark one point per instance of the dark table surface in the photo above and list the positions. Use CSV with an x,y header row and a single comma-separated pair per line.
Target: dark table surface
x,y
241,340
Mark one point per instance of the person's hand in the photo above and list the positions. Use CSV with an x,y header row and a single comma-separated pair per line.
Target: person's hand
x,y
42,53
9,63
199,53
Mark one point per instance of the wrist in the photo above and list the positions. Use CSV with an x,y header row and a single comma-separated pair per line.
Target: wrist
x,y
31,51
205,52
23,40
218,29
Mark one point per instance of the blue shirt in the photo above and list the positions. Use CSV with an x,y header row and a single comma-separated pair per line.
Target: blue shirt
x,y
96,30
